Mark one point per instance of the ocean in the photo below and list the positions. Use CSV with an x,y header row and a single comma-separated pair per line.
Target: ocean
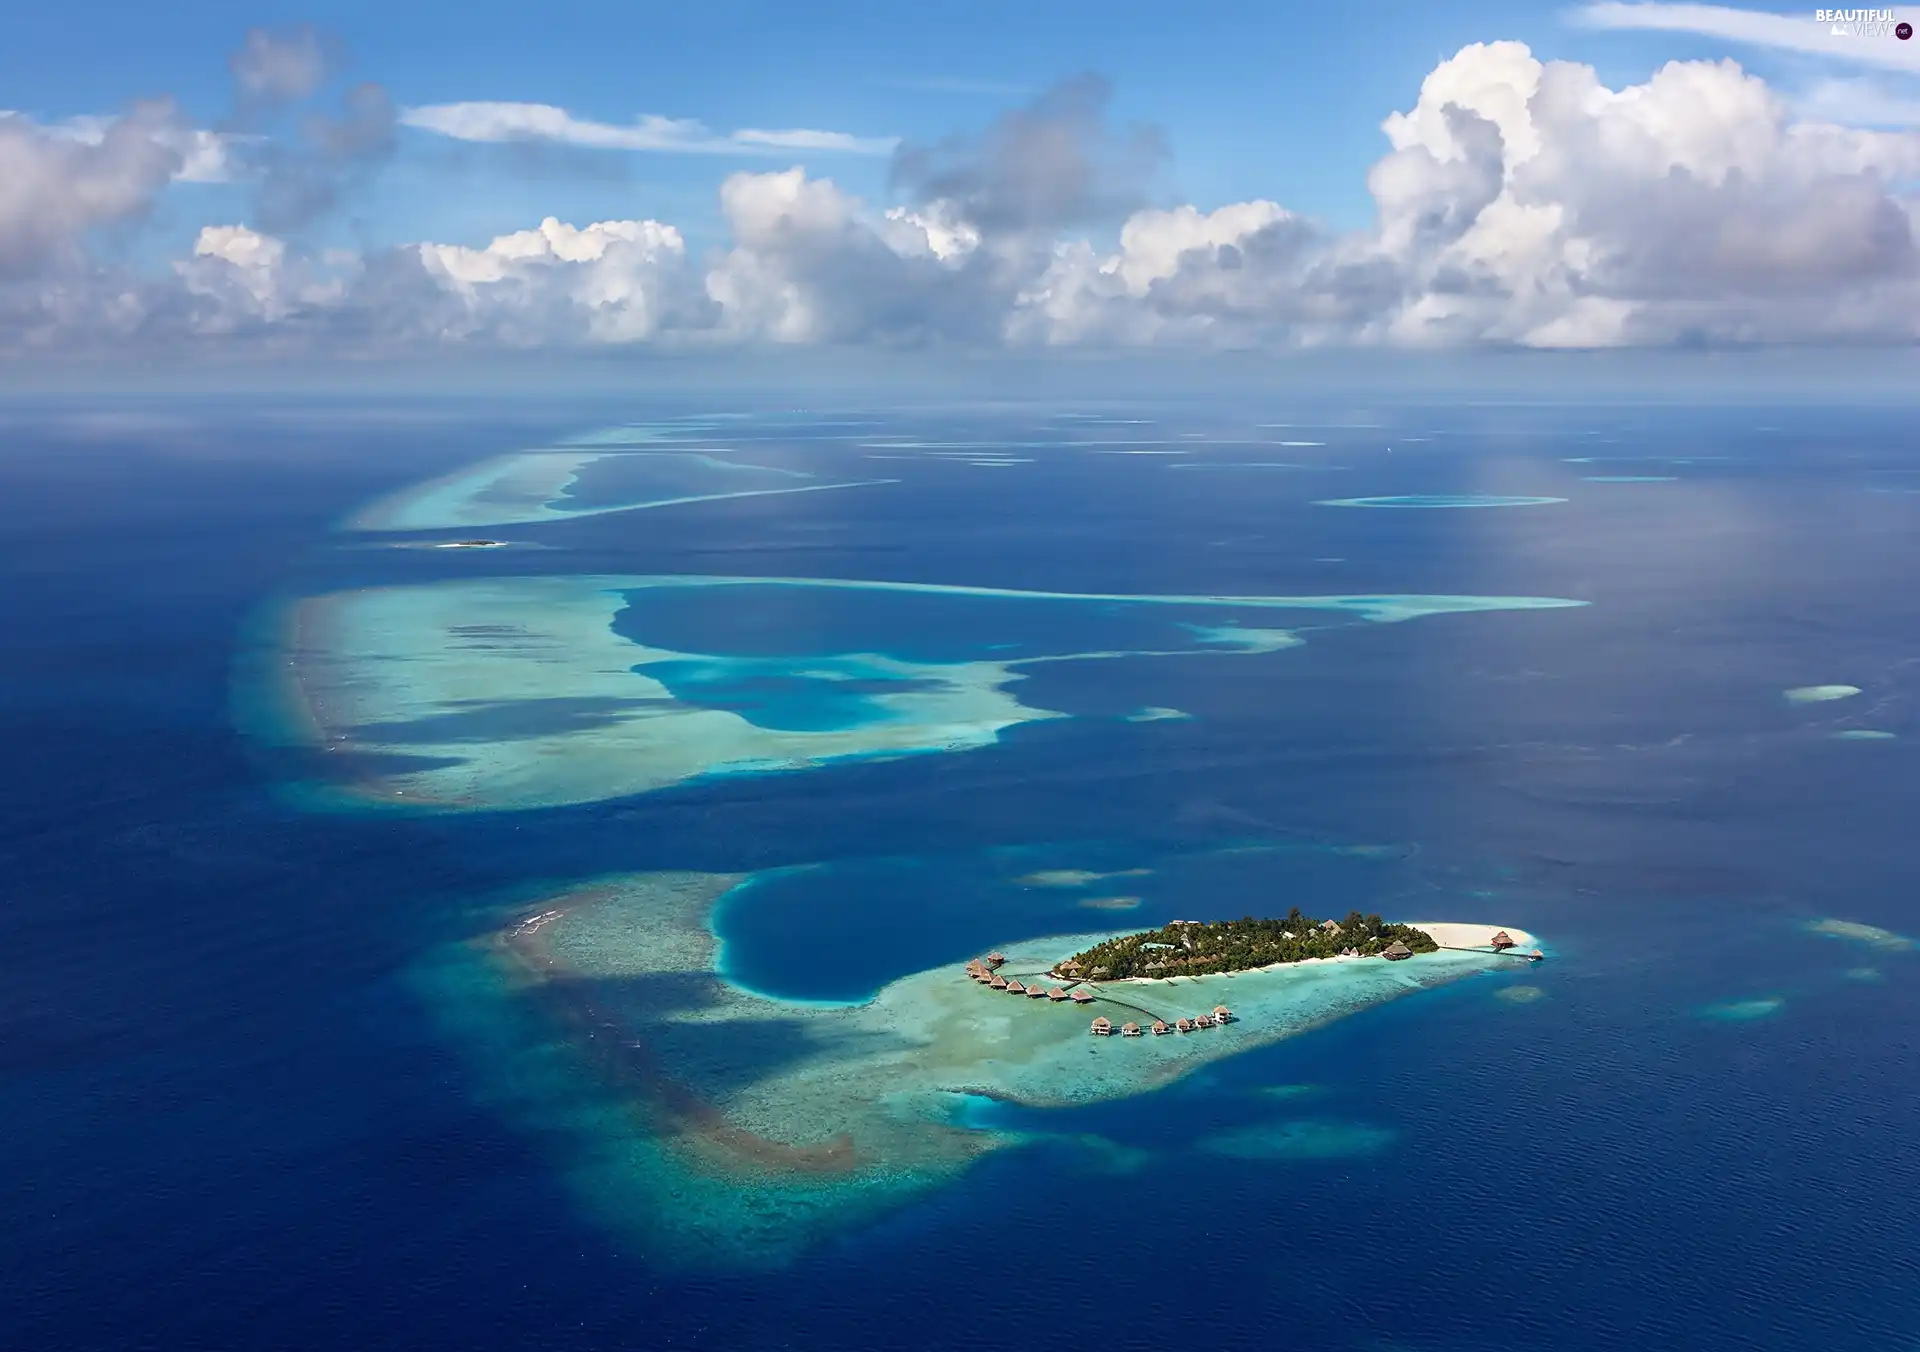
x,y
258,1091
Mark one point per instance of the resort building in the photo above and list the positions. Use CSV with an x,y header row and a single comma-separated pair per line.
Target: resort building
x,y
1330,927
995,959
1083,996
1396,951
1055,994
1103,1027
1129,1030
1015,987
1221,1016
1161,1026
1034,992
999,983
1501,940
1184,1026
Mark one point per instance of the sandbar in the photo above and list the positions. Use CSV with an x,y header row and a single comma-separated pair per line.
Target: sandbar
x,y
1440,500
1819,694
530,487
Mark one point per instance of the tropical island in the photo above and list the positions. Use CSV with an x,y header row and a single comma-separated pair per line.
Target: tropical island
x,y
1201,948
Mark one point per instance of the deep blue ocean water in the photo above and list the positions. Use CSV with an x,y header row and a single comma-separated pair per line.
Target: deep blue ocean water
x,y
229,1121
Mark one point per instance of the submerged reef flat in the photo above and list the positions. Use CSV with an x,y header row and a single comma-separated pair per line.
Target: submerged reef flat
x,y
1855,932
1076,877
1744,1011
1299,1139
1819,694
750,1127
534,486
1417,500
542,691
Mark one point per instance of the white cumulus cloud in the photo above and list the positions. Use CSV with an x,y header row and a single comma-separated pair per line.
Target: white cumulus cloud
x,y
1517,203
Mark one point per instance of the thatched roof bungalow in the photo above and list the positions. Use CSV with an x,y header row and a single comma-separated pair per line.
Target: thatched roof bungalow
x,y
1016,987
1103,1027
1221,1015
1501,940
1184,1025
1129,1030
1082,996
1161,1026
1396,950
999,983
1055,994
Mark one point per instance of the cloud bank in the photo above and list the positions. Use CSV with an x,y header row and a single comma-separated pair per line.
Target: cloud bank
x,y
1520,203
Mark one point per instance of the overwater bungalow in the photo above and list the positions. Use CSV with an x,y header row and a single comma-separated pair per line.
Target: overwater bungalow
x,y
1536,955
998,983
1183,1025
1016,987
1501,940
1083,996
1396,950
1055,994
995,959
1221,1016
1161,1026
1129,1030
1103,1027
1034,992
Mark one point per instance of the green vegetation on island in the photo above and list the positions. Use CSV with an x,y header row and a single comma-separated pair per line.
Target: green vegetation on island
x,y
1198,948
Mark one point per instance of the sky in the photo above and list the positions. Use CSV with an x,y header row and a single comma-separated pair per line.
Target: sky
x,y
241,183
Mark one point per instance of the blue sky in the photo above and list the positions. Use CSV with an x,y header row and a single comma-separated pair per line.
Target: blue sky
x,y
1612,201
